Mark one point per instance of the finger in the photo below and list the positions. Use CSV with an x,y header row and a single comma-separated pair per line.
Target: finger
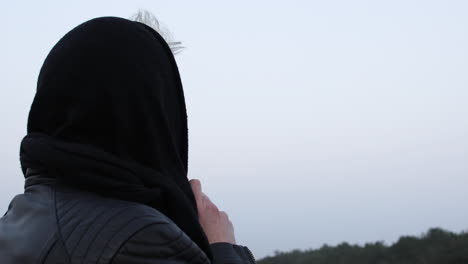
x,y
209,204
206,198
196,187
197,193
224,215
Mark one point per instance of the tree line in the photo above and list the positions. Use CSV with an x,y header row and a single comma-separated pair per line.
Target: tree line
x,y
436,246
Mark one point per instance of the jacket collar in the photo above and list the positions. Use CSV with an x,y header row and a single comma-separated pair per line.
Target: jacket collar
x,y
34,176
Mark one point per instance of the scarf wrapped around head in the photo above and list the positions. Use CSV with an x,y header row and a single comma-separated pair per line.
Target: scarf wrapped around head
x,y
109,117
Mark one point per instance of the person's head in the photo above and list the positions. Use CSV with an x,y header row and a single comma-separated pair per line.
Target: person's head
x,y
109,117
114,84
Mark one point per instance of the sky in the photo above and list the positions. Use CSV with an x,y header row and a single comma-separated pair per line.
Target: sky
x,y
310,122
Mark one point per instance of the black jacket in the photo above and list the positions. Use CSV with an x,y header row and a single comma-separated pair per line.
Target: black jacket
x,y
53,223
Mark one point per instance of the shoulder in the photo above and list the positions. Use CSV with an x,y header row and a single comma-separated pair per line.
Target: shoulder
x,y
79,212
102,230
160,243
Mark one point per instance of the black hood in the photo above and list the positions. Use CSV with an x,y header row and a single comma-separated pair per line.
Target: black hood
x,y
109,116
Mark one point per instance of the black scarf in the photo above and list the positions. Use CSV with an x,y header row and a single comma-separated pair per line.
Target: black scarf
x,y
109,117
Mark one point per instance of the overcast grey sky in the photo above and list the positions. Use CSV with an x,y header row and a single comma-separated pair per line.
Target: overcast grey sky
x,y
310,122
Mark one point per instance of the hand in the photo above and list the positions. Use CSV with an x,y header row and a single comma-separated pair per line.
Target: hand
x,y
215,223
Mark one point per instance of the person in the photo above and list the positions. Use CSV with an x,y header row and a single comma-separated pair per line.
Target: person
x,y
105,160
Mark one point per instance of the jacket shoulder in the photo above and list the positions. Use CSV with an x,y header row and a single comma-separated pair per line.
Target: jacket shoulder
x,y
94,228
160,244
